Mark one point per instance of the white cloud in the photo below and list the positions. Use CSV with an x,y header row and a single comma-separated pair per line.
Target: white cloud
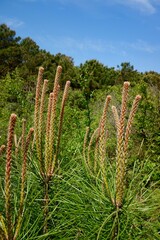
x,y
11,22
143,5
73,46
141,45
69,43
147,6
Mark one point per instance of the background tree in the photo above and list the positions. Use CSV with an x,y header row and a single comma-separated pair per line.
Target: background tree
x,y
10,51
127,73
94,74
30,51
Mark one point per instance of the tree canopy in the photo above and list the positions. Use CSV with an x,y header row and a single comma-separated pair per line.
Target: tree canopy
x,y
10,52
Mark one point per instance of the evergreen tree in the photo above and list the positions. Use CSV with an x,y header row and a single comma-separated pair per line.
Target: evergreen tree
x,y
128,73
93,73
10,52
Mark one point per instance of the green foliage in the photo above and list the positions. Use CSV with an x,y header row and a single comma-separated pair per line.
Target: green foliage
x,y
10,53
14,98
78,208
127,73
93,74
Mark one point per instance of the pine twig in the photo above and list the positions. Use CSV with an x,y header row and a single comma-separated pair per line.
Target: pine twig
x,y
11,127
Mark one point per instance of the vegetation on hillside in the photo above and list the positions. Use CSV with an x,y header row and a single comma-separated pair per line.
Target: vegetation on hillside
x,y
80,159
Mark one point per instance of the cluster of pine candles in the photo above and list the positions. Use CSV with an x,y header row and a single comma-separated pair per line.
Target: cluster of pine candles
x,y
45,138
100,135
47,161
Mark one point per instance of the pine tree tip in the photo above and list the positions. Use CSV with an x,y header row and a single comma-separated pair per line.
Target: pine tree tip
x,y
68,83
13,116
138,97
126,84
109,97
41,69
59,68
2,148
31,130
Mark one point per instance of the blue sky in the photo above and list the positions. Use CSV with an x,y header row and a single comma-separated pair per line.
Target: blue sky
x,y
110,31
